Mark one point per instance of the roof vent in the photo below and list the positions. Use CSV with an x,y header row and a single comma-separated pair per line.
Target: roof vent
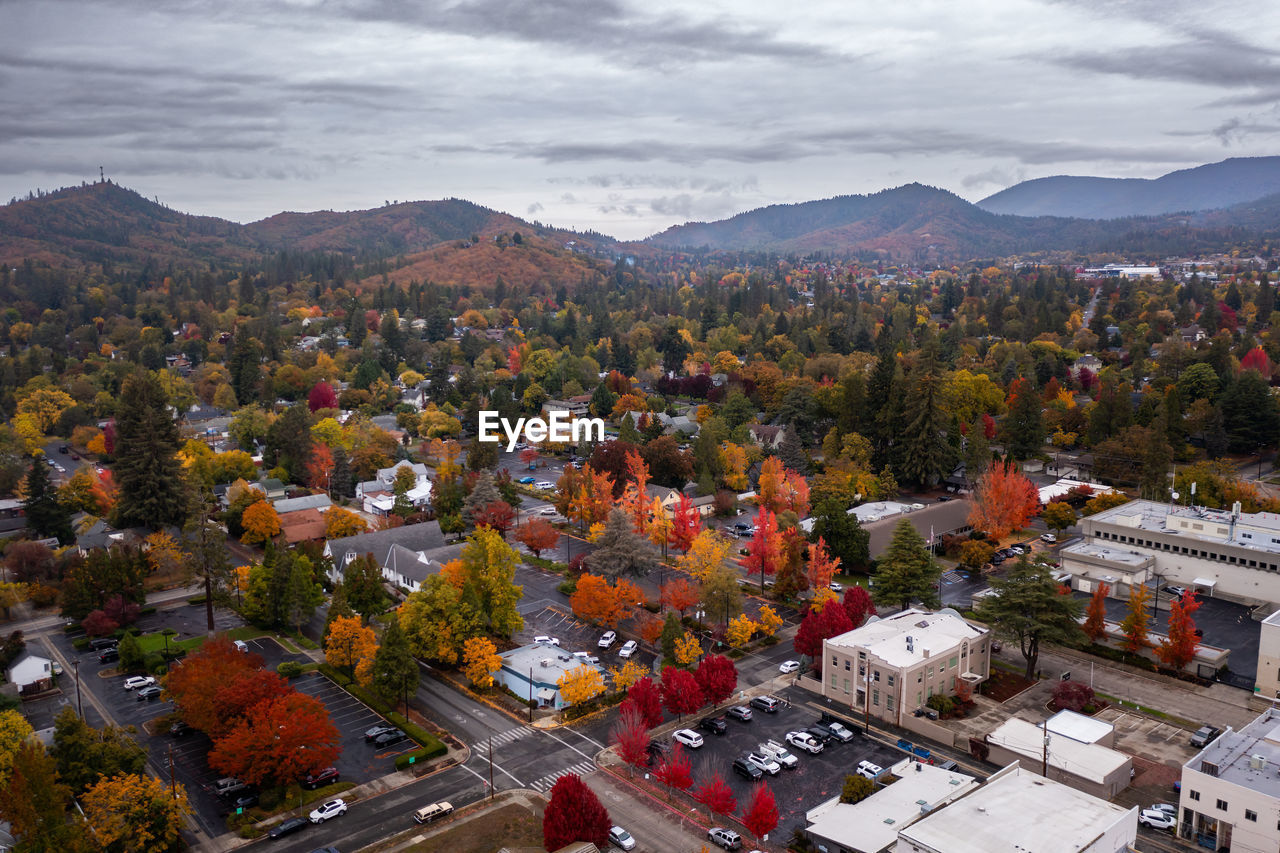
x,y
546,662
1257,761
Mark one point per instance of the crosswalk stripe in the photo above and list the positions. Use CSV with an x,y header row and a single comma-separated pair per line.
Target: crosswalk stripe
x,y
503,737
545,784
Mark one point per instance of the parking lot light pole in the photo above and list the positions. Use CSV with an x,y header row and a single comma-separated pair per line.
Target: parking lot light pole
x,y
79,703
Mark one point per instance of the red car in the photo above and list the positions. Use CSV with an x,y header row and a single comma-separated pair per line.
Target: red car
x,y
327,776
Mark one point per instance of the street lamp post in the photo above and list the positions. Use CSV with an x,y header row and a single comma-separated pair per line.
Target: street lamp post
x,y
79,704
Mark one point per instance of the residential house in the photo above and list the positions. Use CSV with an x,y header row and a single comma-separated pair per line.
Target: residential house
x,y
318,502
31,673
766,435
1192,334
425,537
302,525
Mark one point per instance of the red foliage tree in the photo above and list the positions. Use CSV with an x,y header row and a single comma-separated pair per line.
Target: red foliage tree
x,y
718,677
278,742
647,700
686,524
319,466
760,814
1095,619
675,771
1072,696
538,535
858,604
1179,648
713,792
988,426
240,697
1256,359
680,594
99,624
529,457
322,396
195,685
120,611
764,552
821,566
574,814
631,737
1003,500
680,691
819,625
496,514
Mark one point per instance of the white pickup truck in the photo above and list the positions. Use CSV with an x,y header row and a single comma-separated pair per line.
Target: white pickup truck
x,y
778,753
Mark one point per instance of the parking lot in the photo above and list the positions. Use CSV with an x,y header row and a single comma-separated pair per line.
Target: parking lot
x,y
575,635
815,779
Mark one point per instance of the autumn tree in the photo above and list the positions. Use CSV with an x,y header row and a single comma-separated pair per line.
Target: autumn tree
x,y
821,623
739,630
595,600
856,788
714,793
261,523
538,535
320,466
628,674
194,686
339,523
679,594
675,771
35,803
84,755
496,515
764,552
1030,608
686,524
137,813
351,645
1178,649
858,604
14,731
687,649
706,554
1003,501
1058,516
680,692
647,699
580,684
733,464
278,742
1137,620
1095,622
822,567
718,678
574,813
768,621
630,737
480,660
760,814
907,570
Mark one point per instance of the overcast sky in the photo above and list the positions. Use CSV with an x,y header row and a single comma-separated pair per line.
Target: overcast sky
x,y
625,116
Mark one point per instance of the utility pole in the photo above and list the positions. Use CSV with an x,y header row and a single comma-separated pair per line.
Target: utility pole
x,y
173,783
1044,760
866,700
490,767
79,703
531,694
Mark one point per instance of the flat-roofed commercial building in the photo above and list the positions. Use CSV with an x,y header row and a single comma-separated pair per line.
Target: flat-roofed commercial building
x,y
1089,767
1231,790
893,665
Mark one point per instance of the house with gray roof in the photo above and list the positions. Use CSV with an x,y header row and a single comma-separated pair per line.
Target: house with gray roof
x,y
424,538
320,502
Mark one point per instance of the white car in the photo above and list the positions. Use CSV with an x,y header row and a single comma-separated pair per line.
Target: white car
x,y
607,639
1157,819
778,753
329,809
628,649
545,486
835,587
1167,808
869,770
805,741
621,838
688,737
138,681
586,658
841,733
1048,537
789,666
546,640
548,510
764,762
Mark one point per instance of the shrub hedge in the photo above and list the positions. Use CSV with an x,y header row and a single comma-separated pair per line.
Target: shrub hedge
x,y
431,745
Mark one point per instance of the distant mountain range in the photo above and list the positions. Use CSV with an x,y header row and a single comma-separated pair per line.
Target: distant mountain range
x,y
1216,185
456,241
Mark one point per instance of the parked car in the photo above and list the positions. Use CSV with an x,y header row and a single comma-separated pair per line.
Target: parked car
x,y
546,639
435,811
837,730
1176,591
805,741
822,733
1204,736
227,785
389,738
628,649
545,486
739,712
179,729
657,752
789,666
1156,819
138,681
100,643
146,694
688,737
715,725
869,770
329,809
527,481
768,704
779,753
764,763
1168,808
620,838
244,800
372,733
548,510
835,587
288,827
327,776
746,769
586,657
1048,537
607,639
726,838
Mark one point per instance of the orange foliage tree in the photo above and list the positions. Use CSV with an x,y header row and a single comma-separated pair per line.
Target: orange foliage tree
x,y
278,742
261,523
596,601
1136,622
538,535
1003,501
822,566
680,594
764,552
1179,648
1095,619
195,685
319,466
686,524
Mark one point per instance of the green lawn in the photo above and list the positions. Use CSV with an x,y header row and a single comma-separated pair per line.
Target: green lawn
x,y
154,643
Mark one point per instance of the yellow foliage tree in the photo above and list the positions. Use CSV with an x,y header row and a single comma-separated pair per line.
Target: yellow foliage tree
x,y
628,674
733,461
132,813
28,431
261,523
768,621
822,596
340,523
739,631
45,406
706,554
14,731
687,649
480,660
164,555
580,684
351,645
659,528
11,594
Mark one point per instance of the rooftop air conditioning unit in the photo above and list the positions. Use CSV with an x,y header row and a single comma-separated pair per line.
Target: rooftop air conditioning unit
x,y
546,662
1257,761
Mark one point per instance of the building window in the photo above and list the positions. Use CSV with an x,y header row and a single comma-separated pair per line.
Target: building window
x,y
875,675
1251,815
1222,805
888,703
846,685
833,680
953,661
834,661
1195,795
846,665
891,679
875,697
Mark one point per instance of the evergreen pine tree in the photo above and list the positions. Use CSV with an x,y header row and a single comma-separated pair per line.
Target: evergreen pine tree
x,y
620,550
395,672
46,514
152,490
483,493
926,456
907,571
